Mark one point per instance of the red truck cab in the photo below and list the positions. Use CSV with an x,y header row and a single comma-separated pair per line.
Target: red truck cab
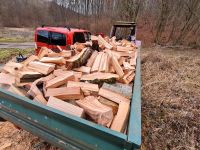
x,y
51,37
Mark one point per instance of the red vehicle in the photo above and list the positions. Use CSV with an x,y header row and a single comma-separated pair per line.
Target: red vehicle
x,y
51,37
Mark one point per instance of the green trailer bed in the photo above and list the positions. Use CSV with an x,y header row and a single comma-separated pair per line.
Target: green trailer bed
x,y
70,132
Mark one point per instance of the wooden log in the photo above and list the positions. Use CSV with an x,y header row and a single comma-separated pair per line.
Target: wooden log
x,y
30,59
124,49
28,76
84,86
92,59
98,112
83,69
120,120
128,66
79,46
95,66
102,62
99,76
64,53
124,54
65,93
60,80
59,48
34,90
117,67
7,79
60,72
110,104
43,68
133,60
65,107
17,90
12,68
43,52
128,77
77,57
105,64
120,88
115,97
40,98
102,41
54,60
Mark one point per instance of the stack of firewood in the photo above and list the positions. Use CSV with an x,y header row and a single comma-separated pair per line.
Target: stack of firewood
x,y
95,85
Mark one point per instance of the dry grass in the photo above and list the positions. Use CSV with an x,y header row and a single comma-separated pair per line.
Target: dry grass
x,y
171,99
16,35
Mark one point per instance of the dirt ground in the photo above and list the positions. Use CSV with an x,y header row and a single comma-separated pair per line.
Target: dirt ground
x,y
170,104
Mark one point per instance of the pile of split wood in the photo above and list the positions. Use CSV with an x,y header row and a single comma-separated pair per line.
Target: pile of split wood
x,y
95,85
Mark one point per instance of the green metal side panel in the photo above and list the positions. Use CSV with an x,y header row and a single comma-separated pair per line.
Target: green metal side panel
x,y
60,129
70,132
134,129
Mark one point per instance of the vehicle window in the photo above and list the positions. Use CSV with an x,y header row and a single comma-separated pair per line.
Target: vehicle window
x,y
43,36
87,36
79,37
58,39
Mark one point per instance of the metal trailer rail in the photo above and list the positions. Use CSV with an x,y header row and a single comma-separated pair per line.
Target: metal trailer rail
x,y
70,132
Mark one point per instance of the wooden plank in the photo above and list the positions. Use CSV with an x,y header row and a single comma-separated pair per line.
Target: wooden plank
x,y
95,66
43,68
65,107
115,97
120,121
117,67
7,79
83,69
84,86
110,104
54,60
102,41
65,93
92,59
98,112
60,80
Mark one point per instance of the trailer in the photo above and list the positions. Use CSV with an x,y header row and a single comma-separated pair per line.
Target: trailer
x,y
71,132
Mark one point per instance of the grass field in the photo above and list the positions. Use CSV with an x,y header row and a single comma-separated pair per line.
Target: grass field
x,y
7,54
